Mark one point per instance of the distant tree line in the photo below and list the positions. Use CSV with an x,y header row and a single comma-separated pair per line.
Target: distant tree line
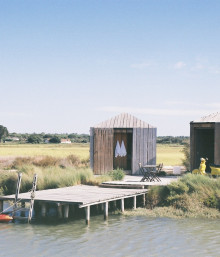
x,y
180,140
36,138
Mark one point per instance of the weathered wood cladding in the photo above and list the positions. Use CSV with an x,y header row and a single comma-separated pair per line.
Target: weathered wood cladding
x,y
142,139
217,143
91,150
144,147
195,130
103,150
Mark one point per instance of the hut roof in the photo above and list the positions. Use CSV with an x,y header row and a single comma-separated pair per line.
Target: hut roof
x,y
214,117
123,120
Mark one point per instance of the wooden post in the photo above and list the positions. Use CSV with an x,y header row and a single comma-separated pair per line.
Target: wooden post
x,y
59,211
114,205
122,205
144,199
34,186
17,193
87,209
23,211
66,211
106,210
1,206
135,202
43,210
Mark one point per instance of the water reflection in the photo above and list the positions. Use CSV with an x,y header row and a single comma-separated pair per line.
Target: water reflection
x,y
119,236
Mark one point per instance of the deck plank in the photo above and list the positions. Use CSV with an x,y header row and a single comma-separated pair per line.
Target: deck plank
x,y
80,194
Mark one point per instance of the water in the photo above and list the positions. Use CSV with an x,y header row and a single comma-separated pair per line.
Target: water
x,y
119,236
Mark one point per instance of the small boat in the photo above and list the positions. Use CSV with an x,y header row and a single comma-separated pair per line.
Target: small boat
x,y
5,218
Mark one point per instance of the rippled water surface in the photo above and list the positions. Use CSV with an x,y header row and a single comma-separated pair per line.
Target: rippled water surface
x,y
119,236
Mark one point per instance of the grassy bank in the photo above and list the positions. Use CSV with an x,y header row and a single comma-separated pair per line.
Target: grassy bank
x,y
191,196
52,173
166,154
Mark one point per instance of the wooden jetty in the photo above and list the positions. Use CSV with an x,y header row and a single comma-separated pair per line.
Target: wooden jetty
x,y
81,196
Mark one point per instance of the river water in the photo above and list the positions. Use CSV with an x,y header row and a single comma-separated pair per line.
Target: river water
x,y
119,236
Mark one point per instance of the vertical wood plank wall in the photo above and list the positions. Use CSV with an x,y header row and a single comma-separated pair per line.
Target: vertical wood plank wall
x,y
217,144
192,147
91,150
103,150
144,147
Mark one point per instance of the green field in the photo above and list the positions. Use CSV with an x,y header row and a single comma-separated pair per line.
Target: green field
x,y
166,154
170,154
55,150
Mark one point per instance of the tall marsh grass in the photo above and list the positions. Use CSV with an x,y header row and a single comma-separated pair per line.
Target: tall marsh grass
x,y
48,178
190,196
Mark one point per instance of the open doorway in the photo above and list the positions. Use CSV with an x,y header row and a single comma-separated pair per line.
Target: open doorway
x,y
124,162
204,146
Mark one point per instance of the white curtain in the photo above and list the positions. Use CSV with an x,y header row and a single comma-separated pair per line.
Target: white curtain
x,y
123,149
117,149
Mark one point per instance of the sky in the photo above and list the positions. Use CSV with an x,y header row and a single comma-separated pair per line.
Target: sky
x,y
66,66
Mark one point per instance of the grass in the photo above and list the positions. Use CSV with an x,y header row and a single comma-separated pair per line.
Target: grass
x,y
55,150
170,154
52,172
166,154
191,196
48,178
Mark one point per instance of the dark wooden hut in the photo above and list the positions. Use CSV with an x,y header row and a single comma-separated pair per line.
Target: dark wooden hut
x,y
205,140
139,139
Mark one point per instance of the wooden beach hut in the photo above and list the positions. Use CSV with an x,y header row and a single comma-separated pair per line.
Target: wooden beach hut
x,y
135,138
205,140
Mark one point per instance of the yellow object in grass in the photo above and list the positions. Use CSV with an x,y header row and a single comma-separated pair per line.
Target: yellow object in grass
x,y
215,170
202,168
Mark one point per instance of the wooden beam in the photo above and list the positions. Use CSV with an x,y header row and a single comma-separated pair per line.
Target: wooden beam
x,y
43,209
23,211
135,202
87,209
114,199
17,191
114,205
106,210
144,199
34,186
122,205
59,211
66,211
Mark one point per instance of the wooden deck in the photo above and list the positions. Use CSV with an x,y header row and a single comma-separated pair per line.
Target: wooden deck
x,y
82,196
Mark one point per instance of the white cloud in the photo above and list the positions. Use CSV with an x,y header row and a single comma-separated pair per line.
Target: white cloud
x,y
179,65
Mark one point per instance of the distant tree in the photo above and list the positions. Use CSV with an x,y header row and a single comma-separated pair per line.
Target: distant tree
x,y
55,140
3,132
34,139
47,136
186,152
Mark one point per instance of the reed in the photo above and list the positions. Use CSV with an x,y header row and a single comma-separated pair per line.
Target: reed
x,y
190,196
48,178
